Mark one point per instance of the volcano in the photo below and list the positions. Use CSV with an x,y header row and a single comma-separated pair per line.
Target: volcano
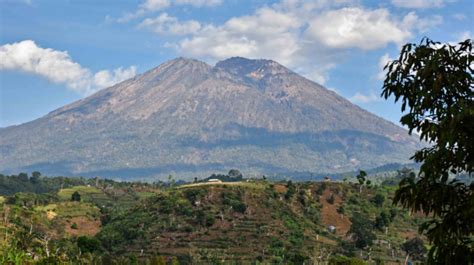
x,y
187,118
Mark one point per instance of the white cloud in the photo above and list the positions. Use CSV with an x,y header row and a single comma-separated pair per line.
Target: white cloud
x,y
419,3
159,5
356,28
154,5
199,3
462,36
58,67
268,33
460,16
382,62
413,21
310,37
107,78
361,98
165,24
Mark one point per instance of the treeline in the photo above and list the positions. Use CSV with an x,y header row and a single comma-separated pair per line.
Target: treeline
x,y
36,183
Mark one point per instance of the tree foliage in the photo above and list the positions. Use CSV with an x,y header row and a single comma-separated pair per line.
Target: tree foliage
x,y
88,244
434,83
415,248
361,230
378,200
76,197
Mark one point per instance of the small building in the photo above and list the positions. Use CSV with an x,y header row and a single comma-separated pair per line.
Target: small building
x,y
215,180
332,229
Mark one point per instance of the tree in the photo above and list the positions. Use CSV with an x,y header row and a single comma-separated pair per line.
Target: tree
x,y
88,244
290,190
35,176
361,178
368,183
235,174
330,199
415,248
23,177
361,230
434,82
382,220
378,200
76,197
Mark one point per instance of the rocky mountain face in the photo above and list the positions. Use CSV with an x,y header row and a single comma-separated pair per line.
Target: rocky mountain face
x,y
187,118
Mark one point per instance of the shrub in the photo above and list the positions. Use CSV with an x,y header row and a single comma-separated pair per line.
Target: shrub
x,y
378,200
88,244
343,260
330,200
235,201
291,189
76,197
205,219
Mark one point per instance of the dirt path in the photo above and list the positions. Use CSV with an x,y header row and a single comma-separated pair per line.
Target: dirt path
x,y
239,183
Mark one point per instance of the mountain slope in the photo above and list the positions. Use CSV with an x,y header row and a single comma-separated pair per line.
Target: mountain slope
x,y
188,118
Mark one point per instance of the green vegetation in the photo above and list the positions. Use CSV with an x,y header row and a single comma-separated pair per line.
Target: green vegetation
x,y
76,197
434,83
361,231
242,222
10,185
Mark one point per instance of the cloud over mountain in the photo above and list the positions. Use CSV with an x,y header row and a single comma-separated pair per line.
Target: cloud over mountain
x,y
310,37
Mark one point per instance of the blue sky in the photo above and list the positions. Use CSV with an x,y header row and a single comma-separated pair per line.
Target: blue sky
x,y
55,52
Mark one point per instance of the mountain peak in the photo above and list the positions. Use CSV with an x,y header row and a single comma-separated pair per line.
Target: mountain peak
x,y
183,62
179,67
188,117
253,68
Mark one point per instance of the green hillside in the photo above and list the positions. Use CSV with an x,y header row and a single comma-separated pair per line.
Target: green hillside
x,y
246,222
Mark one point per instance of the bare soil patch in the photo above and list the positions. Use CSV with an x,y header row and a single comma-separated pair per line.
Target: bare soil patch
x,y
330,216
85,226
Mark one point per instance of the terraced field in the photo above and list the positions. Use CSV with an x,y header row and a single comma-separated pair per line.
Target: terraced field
x,y
219,222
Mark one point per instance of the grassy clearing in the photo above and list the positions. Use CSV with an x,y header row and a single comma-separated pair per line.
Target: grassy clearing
x,y
75,209
2,199
70,209
239,184
87,193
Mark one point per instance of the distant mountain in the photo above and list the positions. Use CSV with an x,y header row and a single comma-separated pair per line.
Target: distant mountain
x,y
187,118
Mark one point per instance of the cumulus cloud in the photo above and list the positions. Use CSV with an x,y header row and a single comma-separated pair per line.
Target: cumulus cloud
x,y
159,5
165,24
413,21
267,33
356,27
58,67
364,98
154,5
419,3
310,37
